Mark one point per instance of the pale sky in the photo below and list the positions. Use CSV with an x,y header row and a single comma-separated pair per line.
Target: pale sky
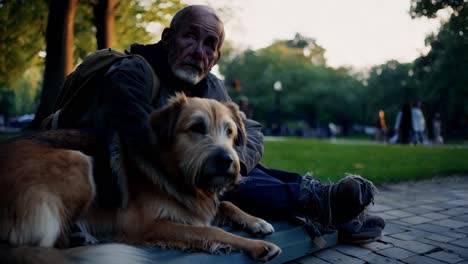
x,y
357,33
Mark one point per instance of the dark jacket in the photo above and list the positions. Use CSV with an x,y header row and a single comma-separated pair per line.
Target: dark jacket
x,y
128,108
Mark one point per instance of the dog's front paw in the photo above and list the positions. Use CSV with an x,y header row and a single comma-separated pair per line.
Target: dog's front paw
x,y
264,251
259,227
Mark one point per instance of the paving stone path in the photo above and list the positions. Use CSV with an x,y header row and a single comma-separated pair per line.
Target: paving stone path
x,y
427,222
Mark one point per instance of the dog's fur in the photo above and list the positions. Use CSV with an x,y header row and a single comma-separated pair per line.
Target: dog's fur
x,y
171,189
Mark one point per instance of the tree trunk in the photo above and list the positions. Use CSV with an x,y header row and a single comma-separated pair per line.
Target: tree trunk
x,y
69,36
104,21
59,59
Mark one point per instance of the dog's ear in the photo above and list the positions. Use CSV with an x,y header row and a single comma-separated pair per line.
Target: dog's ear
x,y
241,139
164,120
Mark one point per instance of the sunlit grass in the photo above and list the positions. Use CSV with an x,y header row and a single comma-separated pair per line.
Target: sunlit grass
x,y
380,163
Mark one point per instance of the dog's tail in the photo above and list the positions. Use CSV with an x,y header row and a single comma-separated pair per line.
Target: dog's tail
x,y
99,254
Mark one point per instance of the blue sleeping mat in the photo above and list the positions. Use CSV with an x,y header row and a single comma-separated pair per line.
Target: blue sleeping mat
x,y
294,241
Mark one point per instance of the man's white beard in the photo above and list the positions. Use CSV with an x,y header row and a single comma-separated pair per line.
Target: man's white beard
x,y
189,77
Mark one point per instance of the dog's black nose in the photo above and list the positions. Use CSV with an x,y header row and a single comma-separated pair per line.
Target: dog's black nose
x,y
224,160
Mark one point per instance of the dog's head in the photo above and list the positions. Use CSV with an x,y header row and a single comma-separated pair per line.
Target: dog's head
x,y
196,139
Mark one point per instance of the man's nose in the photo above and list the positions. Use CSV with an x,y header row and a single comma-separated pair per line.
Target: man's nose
x,y
198,53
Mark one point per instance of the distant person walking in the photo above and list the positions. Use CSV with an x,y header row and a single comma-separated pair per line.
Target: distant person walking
x,y
381,135
419,123
437,129
404,124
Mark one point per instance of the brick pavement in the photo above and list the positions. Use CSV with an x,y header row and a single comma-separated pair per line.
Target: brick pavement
x,y
427,222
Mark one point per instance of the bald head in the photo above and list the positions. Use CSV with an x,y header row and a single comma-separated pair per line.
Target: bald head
x,y
193,12
193,42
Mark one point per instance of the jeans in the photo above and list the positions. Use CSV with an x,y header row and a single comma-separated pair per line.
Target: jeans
x,y
418,137
267,193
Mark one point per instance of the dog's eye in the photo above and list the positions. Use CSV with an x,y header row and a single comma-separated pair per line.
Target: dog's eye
x,y
198,128
229,131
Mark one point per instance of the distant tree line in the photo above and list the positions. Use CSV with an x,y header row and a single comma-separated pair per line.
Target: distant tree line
x,y
318,94
42,40
53,36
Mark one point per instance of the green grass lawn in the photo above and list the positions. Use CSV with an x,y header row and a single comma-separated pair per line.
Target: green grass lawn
x,y
5,136
379,163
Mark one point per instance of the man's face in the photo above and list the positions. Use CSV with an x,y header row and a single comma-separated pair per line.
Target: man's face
x,y
193,48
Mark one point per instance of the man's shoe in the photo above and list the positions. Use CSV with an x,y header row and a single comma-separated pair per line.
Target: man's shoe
x,y
335,204
362,230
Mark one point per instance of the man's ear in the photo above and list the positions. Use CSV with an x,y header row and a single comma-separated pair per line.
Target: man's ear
x,y
219,57
216,61
166,36
241,139
163,121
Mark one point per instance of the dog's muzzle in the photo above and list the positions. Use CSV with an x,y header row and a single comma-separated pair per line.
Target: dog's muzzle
x,y
221,169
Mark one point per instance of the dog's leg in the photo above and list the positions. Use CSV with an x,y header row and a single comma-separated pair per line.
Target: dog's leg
x,y
207,238
228,212
48,188
40,220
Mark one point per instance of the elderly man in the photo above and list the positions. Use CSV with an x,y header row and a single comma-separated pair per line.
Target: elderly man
x,y
182,61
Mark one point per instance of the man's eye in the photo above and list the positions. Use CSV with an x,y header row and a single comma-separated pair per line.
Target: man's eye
x,y
211,44
190,36
198,128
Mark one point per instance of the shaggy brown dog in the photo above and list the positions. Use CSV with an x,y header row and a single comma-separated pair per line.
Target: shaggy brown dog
x,y
171,192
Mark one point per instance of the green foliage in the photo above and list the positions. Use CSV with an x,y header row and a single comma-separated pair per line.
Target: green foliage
x,y
389,86
21,98
305,47
22,30
379,163
311,90
22,36
316,93
440,75
429,8
131,20
84,31
437,79
7,102
27,90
